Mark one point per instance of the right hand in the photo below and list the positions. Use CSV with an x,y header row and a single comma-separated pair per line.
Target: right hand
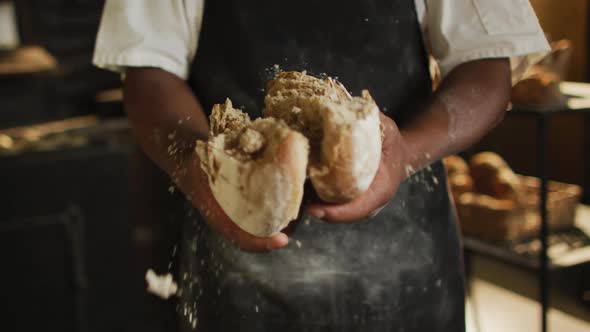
x,y
196,186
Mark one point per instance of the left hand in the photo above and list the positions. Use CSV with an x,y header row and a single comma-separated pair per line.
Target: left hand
x,y
392,171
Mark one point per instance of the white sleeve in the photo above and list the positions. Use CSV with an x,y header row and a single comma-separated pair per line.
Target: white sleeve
x,y
464,30
140,33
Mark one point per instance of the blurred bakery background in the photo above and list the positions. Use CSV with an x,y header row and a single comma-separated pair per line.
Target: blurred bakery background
x,y
77,206
79,225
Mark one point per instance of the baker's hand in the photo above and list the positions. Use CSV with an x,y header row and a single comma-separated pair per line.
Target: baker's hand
x,y
202,198
391,173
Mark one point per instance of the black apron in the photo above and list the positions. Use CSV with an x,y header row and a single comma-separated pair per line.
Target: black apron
x,y
398,271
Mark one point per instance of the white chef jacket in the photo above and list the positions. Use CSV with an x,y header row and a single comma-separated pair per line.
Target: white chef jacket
x,y
165,34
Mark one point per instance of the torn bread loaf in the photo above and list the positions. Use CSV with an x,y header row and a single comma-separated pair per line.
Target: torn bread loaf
x,y
310,127
344,131
256,169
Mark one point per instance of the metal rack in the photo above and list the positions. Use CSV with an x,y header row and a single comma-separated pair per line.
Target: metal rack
x,y
543,263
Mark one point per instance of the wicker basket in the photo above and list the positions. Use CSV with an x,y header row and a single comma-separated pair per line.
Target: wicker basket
x,y
523,220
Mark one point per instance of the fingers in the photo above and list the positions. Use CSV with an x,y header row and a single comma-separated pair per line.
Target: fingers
x,y
379,193
356,210
222,224
390,130
387,123
338,214
248,242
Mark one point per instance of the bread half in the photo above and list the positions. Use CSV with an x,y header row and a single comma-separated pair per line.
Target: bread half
x,y
256,169
343,131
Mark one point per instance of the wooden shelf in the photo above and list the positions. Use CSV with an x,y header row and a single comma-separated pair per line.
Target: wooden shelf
x,y
26,61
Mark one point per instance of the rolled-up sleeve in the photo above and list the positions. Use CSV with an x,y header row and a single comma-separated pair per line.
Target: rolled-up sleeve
x,y
459,31
139,33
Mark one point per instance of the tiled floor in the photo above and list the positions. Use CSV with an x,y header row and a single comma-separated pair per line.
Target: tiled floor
x,y
502,300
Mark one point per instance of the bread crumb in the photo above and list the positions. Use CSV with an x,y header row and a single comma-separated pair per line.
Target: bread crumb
x,y
410,170
225,118
161,286
251,141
